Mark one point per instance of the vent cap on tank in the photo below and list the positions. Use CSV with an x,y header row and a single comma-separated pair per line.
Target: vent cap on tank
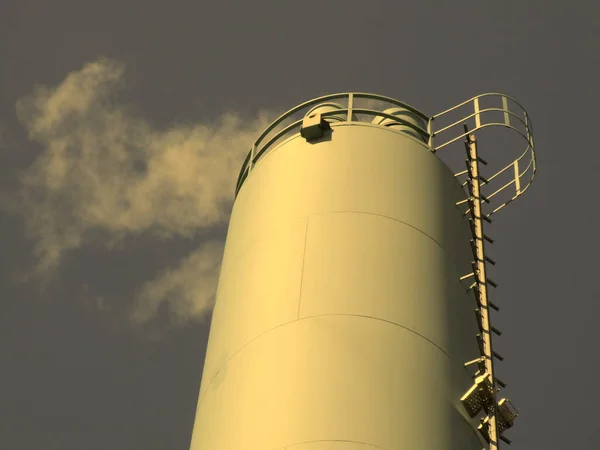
x,y
404,116
328,107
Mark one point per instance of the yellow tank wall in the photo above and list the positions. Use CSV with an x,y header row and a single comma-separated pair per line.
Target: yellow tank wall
x,y
340,320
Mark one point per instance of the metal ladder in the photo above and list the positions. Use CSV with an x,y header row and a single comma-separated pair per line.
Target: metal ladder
x,y
500,415
506,113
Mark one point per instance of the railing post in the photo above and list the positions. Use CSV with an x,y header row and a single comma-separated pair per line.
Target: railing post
x,y
251,161
350,106
476,110
430,132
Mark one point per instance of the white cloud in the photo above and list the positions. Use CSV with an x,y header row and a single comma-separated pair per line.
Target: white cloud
x,y
104,169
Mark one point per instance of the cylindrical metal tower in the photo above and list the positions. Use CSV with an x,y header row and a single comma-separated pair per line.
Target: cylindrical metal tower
x,y
344,311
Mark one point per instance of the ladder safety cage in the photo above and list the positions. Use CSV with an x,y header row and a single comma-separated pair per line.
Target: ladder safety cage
x,y
519,171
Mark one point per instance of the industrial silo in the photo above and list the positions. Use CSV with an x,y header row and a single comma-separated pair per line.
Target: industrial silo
x,y
352,309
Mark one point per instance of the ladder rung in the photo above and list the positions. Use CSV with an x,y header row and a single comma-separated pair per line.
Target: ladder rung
x,y
491,283
472,198
500,382
472,225
498,356
483,429
486,258
490,304
496,330
479,158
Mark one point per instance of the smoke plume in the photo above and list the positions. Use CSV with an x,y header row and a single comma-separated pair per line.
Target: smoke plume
x,y
102,169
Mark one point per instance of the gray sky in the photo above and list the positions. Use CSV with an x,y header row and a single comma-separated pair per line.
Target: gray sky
x,y
78,372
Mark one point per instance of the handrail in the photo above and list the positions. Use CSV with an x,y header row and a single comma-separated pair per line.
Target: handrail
x,y
260,148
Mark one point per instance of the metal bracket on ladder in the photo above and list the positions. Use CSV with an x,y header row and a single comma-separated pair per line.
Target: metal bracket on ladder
x,y
480,396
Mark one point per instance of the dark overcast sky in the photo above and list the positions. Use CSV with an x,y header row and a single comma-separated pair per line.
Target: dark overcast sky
x,y
73,378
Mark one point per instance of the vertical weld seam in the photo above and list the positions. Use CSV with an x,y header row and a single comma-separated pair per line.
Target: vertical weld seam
x,y
302,270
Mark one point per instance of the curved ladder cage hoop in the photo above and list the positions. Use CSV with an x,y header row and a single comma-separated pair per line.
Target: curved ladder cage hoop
x,y
516,119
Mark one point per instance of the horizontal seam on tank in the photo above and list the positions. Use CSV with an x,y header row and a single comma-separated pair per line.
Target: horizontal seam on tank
x,y
311,317
381,215
332,440
231,266
395,220
387,321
